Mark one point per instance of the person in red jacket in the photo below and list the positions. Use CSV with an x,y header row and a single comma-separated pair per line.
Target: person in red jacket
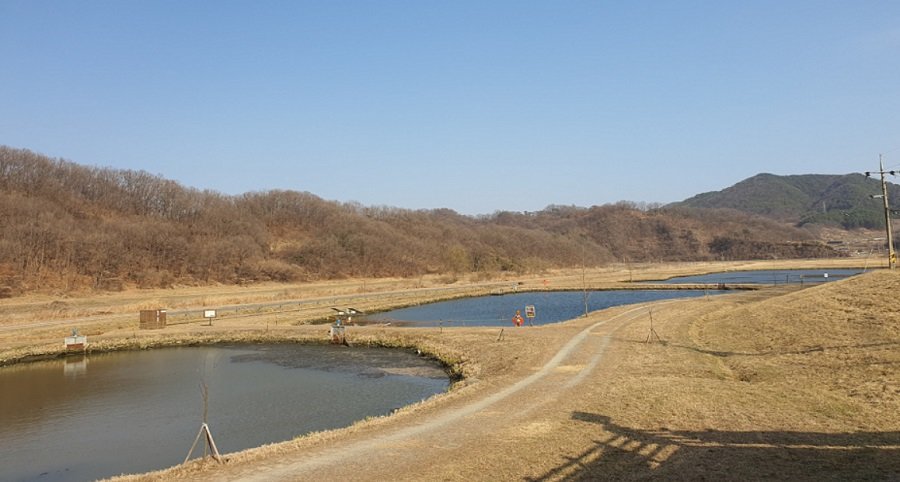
x,y
517,320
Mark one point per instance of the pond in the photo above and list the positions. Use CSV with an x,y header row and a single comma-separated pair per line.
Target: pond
x,y
549,307
83,418
767,276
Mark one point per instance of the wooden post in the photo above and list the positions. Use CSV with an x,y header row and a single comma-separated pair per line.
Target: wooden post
x,y
204,430
652,331
210,444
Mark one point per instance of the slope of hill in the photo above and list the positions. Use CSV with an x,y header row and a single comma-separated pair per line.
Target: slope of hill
x,y
67,226
843,200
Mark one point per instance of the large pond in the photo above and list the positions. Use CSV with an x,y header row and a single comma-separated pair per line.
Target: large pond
x,y
91,417
549,307
768,276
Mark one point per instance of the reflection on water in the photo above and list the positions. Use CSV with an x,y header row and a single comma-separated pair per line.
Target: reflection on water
x,y
75,366
95,416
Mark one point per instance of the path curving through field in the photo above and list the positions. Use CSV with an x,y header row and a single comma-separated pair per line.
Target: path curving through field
x,y
432,445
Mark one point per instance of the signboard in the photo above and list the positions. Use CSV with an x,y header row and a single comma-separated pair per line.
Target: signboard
x,y
209,313
76,342
529,311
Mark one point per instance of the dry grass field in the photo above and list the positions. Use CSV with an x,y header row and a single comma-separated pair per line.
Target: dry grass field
x,y
780,383
800,385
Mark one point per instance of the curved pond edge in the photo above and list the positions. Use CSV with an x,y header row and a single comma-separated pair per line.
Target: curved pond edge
x,y
619,286
451,362
454,365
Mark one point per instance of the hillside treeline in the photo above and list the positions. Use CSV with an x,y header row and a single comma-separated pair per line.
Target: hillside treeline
x,y
67,226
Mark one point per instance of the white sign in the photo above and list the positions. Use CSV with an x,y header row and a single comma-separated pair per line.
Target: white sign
x,y
209,313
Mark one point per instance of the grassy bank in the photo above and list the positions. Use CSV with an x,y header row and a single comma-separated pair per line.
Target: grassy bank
x,y
782,383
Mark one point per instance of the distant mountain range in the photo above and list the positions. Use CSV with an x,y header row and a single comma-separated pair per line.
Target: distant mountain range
x,y
837,200
72,227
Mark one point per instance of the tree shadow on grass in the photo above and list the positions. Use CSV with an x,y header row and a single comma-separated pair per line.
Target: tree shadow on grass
x,y
621,453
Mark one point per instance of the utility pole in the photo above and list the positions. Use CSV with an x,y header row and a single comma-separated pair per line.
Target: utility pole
x,y
892,257
584,295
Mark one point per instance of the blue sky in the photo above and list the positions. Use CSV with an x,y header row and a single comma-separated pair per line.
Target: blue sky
x,y
475,106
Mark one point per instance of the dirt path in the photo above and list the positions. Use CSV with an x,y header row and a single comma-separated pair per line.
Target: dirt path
x,y
442,444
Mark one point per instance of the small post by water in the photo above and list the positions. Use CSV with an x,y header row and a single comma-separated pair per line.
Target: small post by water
x,y
584,283
337,332
652,331
530,314
210,444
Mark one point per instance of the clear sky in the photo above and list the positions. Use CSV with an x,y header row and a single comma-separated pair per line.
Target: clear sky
x,y
476,106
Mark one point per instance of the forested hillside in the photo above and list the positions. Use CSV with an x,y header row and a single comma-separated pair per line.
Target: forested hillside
x,y
840,200
71,227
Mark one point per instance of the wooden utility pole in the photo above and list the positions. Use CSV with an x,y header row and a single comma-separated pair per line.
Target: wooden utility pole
x,y
892,257
653,332
584,294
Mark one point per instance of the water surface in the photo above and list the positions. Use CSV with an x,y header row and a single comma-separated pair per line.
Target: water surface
x,y
92,417
767,276
550,307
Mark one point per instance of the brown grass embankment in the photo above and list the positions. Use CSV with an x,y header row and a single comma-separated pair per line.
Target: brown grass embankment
x,y
767,384
774,384
803,385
